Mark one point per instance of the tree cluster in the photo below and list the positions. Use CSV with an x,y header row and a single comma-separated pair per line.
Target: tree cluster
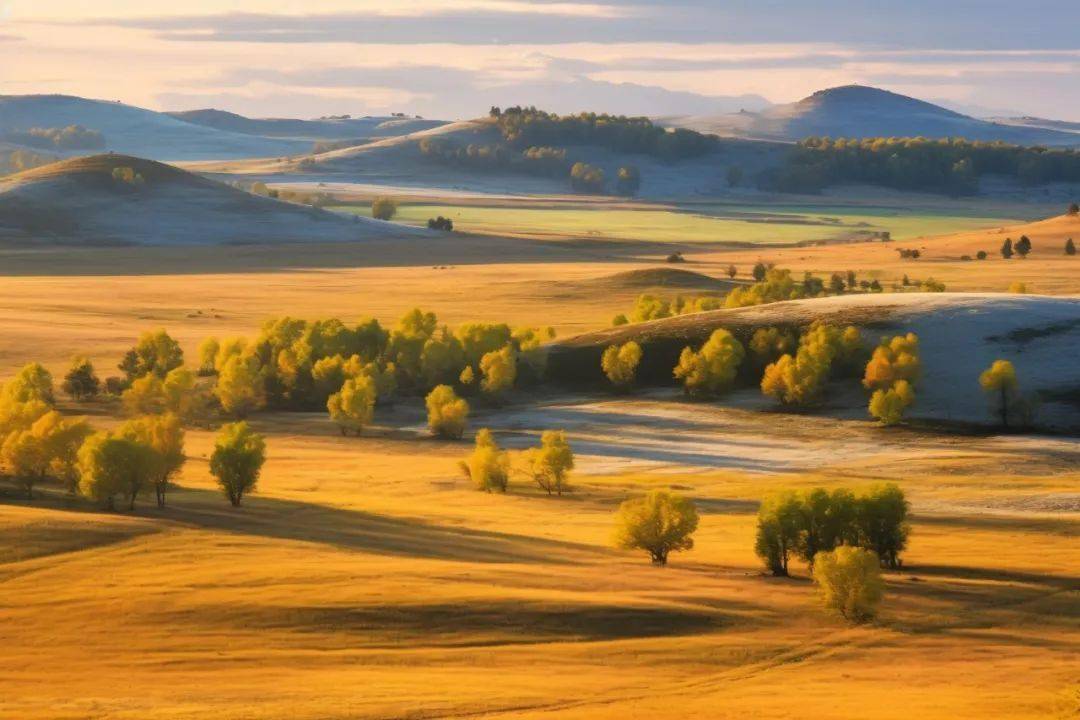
x,y
804,524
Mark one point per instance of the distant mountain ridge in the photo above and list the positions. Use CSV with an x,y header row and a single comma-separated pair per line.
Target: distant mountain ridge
x,y
856,111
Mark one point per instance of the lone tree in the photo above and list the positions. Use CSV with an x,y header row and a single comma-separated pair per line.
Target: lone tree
x,y
732,271
778,529
659,523
383,208
759,271
1070,248
487,467
999,381
447,413
550,463
1007,248
81,383
619,363
849,582
237,460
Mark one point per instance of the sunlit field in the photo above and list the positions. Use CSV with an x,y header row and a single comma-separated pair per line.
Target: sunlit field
x,y
735,224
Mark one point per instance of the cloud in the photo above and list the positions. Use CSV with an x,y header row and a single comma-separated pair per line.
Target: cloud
x,y
913,24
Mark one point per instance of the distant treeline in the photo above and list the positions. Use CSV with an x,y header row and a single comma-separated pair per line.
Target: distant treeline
x,y
72,137
526,127
19,160
951,166
538,161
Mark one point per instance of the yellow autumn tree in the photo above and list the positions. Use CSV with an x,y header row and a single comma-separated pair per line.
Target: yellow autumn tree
x,y
713,367
488,467
889,405
353,406
620,362
447,413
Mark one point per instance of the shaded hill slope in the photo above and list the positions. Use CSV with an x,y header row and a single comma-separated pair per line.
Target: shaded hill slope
x,y
961,334
110,199
323,128
136,131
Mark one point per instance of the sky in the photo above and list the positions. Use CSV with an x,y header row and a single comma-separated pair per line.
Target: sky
x,y
455,58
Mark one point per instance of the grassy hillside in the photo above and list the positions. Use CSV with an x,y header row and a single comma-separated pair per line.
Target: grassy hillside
x,y
109,199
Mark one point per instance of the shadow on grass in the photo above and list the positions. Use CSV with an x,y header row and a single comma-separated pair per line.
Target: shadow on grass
x,y
342,528
466,623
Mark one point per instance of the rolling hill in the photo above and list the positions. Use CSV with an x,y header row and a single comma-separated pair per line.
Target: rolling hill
x,y
323,128
855,111
136,131
1038,334
118,199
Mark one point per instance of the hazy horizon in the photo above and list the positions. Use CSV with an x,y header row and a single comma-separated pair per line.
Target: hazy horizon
x,y
454,58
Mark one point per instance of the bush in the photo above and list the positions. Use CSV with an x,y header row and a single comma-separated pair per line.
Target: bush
x,y
440,223
849,582
659,523
1017,287
711,369
237,460
487,467
447,413
675,257
1070,248
619,363
383,208
981,255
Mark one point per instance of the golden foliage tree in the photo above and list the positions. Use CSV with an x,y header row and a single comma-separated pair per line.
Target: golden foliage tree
x,y
550,464
889,405
849,582
659,523
1000,383
713,367
499,371
353,406
164,436
619,363
447,413
240,388
488,467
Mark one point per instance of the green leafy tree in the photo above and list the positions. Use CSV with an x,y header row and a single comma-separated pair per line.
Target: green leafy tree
x,y
155,352
1070,248
112,465
81,383
237,460
779,526
32,383
164,436
881,518
1007,248
659,523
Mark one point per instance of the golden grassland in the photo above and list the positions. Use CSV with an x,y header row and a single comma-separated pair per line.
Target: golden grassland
x,y
366,579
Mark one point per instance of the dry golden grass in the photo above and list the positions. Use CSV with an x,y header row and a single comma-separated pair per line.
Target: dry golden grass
x,y
365,579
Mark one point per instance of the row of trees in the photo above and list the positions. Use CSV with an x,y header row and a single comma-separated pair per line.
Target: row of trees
x,y
72,137
803,524
951,166
38,443
523,127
